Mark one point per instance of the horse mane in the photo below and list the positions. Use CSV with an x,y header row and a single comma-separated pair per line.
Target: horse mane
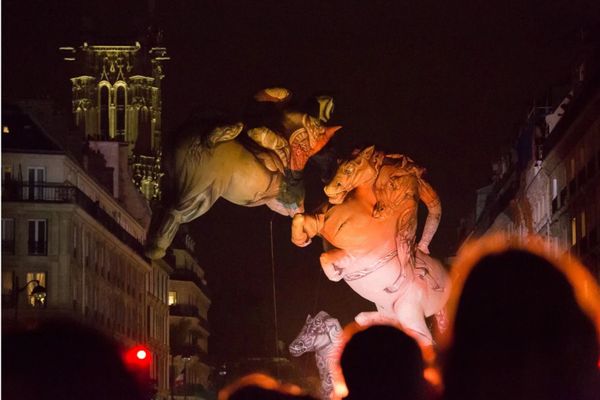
x,y
403,165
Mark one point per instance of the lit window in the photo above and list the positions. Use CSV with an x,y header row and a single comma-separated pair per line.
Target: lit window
x,y
554,188
172,298
573,231
8,279
36,301
5,129
38,237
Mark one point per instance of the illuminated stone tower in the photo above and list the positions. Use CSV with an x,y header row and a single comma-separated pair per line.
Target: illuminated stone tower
x,y
117,99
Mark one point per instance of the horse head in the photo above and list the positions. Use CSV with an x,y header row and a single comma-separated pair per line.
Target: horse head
x,y
351,174
307,136
317,333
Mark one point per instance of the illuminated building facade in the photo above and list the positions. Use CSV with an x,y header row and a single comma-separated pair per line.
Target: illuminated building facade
x,y
117,98
549,182
63,228
189,330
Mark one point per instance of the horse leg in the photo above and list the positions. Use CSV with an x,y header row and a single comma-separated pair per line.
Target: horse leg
x,y
333,262
183,213
304,228
367,318
411,317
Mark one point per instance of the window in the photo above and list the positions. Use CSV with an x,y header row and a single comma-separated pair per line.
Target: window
x,y
573,231
104,100
36,177
41,278
172,298
38,235
120,106
36,174
8,281
8,236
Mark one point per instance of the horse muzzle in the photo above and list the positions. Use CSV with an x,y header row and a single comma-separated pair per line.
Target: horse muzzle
x,y
335,193
297,349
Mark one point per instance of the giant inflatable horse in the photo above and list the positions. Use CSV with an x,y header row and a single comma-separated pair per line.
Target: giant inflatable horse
x,y
370,226
323,335
212,163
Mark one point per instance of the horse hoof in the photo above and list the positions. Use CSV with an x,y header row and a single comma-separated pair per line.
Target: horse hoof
x,y
155,253
361,319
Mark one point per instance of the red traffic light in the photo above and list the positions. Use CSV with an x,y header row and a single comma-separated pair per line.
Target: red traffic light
x,y
138,357
141,354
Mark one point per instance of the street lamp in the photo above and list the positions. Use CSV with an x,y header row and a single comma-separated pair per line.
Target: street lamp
x,y
38,293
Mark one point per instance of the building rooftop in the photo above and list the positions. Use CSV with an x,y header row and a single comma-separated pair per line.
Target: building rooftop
x,y
21,133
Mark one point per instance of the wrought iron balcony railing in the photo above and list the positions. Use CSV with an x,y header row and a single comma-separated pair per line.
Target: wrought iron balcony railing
x,y
56,193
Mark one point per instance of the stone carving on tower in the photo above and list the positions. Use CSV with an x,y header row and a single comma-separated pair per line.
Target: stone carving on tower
x,y
117,98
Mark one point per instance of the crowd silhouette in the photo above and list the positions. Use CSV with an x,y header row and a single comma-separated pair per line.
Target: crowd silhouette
x,y
523,325
520,333
64,360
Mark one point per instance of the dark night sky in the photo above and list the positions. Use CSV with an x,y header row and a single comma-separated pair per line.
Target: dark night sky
x,y
443,82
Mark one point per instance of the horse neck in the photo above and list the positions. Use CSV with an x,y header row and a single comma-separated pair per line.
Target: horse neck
x,y
365,189
325,371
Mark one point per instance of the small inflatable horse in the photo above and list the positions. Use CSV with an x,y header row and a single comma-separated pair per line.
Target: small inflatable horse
x,y
323,335
212,163
369,234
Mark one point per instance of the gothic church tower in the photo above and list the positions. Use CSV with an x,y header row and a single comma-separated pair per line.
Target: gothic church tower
x,y
117,99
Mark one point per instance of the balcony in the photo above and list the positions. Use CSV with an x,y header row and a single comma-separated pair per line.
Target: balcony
x,y
55,193
188,310
182,274
184,310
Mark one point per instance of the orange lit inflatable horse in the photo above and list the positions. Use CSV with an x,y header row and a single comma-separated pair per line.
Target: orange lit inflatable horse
x,y
371,224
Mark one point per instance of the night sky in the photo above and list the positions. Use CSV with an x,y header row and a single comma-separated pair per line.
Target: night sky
x,y
446,83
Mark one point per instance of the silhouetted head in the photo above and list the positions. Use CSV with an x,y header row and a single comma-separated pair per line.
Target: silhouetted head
x,y
64,360
382,362
519,331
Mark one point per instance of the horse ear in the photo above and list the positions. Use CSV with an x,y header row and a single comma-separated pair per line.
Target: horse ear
x,y
368,152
